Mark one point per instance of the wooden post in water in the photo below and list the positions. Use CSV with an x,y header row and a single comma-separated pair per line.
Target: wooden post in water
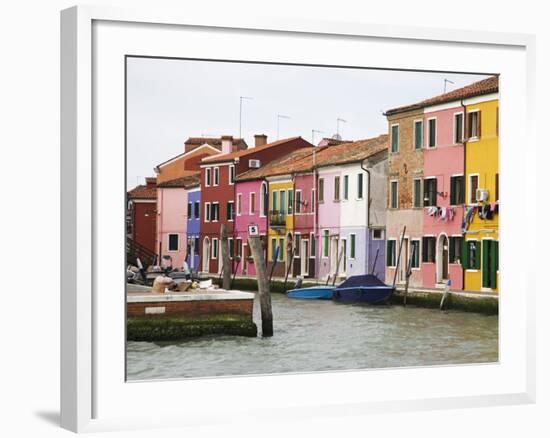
x,y
408,276
399,256
226,261
263,285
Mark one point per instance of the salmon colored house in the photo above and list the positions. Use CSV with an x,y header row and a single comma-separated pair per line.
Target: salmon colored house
x,y
218,190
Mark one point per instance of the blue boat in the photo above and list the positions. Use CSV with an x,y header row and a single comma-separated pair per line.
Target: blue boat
x,y
312,293
363,289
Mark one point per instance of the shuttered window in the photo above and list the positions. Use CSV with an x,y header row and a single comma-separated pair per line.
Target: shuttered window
x,y
432,133
418,135
346,187
336,188
395,138
321,189
457,190
415,253
455,249
360,186
474,125
189,210
393,194
298,208
428,249
282,205
390,253
471,254
281,249
325,243
417,193
490,263
297,245
173,242
430,192
273,249
459,128
197,209
290,201
352,246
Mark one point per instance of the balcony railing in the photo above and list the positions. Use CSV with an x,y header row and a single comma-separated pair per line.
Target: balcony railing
x,y
277,219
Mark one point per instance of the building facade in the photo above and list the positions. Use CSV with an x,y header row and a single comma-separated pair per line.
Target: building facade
x,y
141,215
193,227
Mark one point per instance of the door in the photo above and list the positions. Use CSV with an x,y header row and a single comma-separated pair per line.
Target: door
x,y
344,255
333,255
489,265
206,255
442,259
304,269
192,253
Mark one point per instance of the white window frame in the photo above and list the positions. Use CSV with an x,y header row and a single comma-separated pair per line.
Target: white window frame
x,y
239,204
323,256
419,240
336,196
354,244
480,256
398,138
216,180
345,182
423,194
230,239
421,121
381,235
197,217
207,212
470,175
460,113
298,247
396,181
318,184
231,173
208,177
178,242
393,239
212,211
361,176
435,134
296,203
217,246
233,215
450,182
250,195
478,136
312,243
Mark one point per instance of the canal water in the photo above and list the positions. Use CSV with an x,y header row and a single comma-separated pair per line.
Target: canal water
x,y
322,335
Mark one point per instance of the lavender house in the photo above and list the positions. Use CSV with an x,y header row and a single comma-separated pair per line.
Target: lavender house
x,y
193,225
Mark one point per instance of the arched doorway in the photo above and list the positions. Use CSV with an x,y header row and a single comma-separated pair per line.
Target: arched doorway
x,y
442,259
206,254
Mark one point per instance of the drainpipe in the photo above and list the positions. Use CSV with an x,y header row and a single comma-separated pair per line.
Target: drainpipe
x,y
368,215
464,185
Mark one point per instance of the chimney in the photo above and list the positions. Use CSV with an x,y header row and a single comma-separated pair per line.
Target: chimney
x,y
260,140
151,181
227,144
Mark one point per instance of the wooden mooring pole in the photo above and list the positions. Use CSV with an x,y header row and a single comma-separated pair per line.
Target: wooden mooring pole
x,y
408,276
399,256
226,261
263,285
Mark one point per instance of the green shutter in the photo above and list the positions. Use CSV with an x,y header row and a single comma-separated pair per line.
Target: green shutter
x,y
453,191
464,254
493,263
451,249
485,263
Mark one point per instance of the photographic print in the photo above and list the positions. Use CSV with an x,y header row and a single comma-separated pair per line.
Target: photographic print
x,y
296,218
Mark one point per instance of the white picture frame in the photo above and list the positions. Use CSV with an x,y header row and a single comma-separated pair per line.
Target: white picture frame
x,y
94,393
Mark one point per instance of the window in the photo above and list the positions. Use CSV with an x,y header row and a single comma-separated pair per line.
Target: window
x,y
418,134
336,188
325,243
432,127
395,138
214,248
390,253
459,128
208,177
471,255
273,249
430,192
207,212
239,204
197,209
264,200
252,203
189,210
455,249
282,204
231,174
474,125
312,245
321,189
415,253
215,211
496,188
346,187
352,246
239,248
298,208
297,244
230,211
474,181
290,201
359,186
377,234
281,249
393,194
173,242
457,190
274,200
197,245
417,193
428,249
216,176
231,245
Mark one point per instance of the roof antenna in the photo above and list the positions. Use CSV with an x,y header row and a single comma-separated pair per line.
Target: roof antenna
x,y
313,132
338,120
279,117
445,84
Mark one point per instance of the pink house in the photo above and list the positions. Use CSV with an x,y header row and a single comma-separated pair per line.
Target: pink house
x,y
172,211
443,195
251,209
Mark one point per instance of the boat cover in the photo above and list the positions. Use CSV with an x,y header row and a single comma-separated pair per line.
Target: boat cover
x,y
362,280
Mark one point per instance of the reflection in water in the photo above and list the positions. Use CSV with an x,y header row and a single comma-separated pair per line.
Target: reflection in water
x,y
322,335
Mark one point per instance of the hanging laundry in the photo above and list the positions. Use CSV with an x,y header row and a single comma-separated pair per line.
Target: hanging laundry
x,y
443,215
469,212
432,211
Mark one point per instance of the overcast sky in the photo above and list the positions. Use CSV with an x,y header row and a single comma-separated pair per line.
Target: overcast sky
x,y
171,100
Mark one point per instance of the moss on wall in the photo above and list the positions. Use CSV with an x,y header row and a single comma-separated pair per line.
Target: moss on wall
x,y
485,305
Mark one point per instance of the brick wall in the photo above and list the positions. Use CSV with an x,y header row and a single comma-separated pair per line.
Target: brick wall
x,y
196,308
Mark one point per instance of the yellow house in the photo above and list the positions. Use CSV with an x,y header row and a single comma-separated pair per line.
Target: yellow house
x,y
281,224
481,236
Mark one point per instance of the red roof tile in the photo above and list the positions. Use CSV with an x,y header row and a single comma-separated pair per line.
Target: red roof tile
x,y
302,160
231,156
142,192
186,182
486,86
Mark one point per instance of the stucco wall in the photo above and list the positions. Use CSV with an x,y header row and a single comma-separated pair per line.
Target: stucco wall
x,y
172,219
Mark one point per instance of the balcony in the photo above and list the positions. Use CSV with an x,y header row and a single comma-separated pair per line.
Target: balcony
x,y
277,219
